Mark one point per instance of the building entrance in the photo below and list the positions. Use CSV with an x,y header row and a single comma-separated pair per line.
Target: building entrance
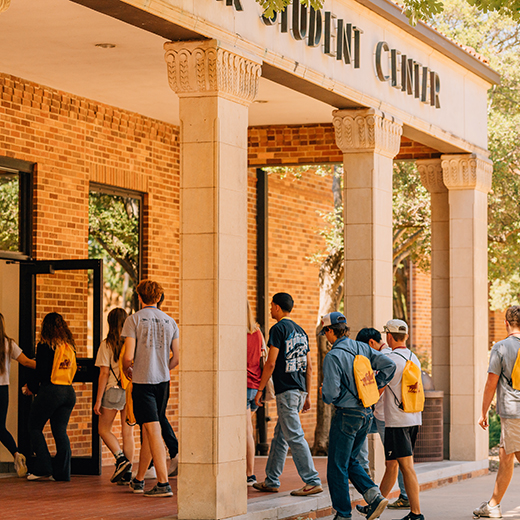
x,y
72,288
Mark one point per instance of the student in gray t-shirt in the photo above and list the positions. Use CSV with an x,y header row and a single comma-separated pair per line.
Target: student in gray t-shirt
x,y
501,362
151,350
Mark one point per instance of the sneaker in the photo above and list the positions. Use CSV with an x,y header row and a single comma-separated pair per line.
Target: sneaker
x,y
376,507
400,503
337,516
262,487
486,511
137,485
362,510
173,466
122,466
125,479
413,516
20,464
251,480
160,491
307,490
150,473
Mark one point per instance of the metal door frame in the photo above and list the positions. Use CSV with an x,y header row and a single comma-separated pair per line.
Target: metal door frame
x,y
86,373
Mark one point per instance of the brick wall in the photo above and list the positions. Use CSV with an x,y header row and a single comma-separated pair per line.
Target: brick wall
x,y
75,141
420,315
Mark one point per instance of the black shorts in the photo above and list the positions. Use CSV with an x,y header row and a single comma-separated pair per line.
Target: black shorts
x,y
400,442
150,401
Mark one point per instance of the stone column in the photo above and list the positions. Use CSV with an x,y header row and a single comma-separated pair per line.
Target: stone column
x,y
215,85
431,177
468,179
369,141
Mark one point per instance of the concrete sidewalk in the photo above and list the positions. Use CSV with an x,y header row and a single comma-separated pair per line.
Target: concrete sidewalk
x,y
457,501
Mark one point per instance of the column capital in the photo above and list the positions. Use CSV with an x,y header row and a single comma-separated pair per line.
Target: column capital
x,y
466,172
207,68
431,175
4,5
367,130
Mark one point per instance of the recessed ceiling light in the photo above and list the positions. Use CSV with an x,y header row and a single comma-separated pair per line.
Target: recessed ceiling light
x,y
261,101
105,45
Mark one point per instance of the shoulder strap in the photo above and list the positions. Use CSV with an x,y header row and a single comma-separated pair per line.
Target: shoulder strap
x,y
118,379
400,355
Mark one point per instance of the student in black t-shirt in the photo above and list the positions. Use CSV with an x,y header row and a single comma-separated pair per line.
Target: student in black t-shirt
x,y
289,364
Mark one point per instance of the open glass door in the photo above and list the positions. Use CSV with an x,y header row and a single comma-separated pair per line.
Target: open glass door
x,y
74,289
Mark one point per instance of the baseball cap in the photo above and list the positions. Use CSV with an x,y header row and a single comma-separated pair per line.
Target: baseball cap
x,y
332,318
396,326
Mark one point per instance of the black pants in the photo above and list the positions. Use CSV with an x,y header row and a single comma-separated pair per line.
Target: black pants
x,y
169,437
5,437
54,403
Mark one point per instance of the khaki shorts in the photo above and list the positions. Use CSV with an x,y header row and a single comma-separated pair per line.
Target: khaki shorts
x,y
510,435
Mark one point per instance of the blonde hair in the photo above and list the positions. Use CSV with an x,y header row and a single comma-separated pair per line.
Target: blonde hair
x,y
252,325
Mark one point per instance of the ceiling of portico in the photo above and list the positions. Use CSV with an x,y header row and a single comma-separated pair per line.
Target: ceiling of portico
x,y
53,43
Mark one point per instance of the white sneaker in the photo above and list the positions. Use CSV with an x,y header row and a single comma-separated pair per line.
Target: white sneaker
x,y
173,466
150,473
20,464
486,511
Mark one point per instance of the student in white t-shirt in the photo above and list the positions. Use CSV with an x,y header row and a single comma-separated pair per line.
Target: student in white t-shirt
x,y
111,398
401,428
9,350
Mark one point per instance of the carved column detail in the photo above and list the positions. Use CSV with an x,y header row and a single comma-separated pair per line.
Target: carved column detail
x,y
431,175
467,171
4,5
206,68
367,130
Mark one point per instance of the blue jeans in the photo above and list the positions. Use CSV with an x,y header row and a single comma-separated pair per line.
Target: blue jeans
x,y
289,433
348,430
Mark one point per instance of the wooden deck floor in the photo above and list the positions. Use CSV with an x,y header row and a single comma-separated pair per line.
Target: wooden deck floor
x,y
95,498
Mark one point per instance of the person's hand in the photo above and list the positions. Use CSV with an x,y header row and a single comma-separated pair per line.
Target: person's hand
x,y
26,391
258,398
128,373
97,408
306,404
483,422
321,390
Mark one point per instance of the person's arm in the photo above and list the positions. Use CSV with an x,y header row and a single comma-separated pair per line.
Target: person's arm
x,y
308,382
174,347
331,387
26,362
267,372
102,383
128,358
384,368
489,392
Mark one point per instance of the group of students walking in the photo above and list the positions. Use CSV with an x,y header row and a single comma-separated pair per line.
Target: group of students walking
x,y
289,366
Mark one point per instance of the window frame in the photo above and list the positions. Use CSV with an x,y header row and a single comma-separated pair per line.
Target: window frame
x,y
25,170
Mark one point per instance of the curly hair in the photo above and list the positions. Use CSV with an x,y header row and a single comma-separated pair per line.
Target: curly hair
x,y
116,319
513,316
56,331
150,291
6,344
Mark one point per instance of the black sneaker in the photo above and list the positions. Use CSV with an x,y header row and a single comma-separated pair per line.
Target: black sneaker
x,y
160,491
137,485
413,516
122,466
376,507
362,510
251,480
125,479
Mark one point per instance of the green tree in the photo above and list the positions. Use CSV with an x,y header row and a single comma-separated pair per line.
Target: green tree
x,y
497,37
415,9
9,212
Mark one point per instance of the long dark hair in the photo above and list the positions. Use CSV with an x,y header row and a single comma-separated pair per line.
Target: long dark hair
x,y
116,319
5,344
55,331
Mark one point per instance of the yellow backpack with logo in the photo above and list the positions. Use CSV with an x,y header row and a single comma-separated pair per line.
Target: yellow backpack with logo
x,y
515,374
412,391
64,365
365,381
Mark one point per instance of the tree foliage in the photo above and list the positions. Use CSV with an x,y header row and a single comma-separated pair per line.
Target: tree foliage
x,y
9,212
415,9
498,38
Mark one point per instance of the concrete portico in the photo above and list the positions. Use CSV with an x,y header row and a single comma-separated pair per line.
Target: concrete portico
x,y
373,79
